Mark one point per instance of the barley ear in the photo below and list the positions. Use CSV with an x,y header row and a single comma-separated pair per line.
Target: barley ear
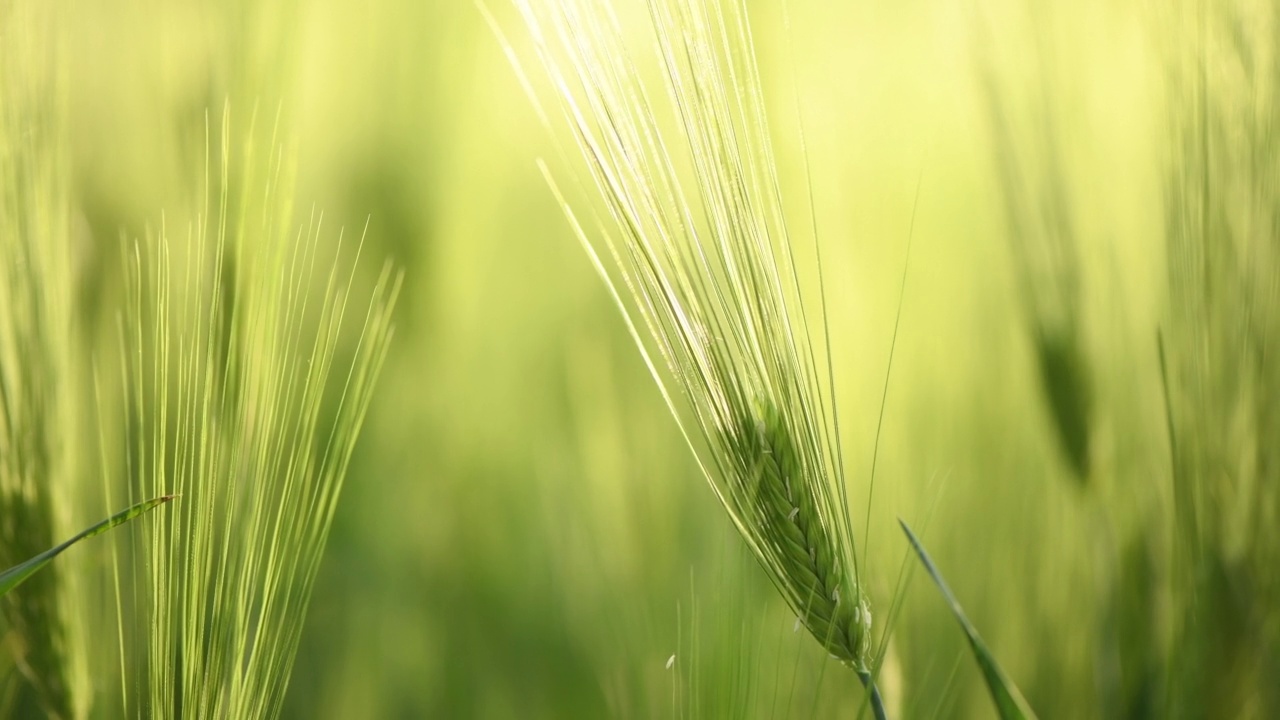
x,y
828,603
691,238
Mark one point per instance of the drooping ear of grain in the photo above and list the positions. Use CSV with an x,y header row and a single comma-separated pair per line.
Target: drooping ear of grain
x,y
1042,223
693,241
1068,392
809,561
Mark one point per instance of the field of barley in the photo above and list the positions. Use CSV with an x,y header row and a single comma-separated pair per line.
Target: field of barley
x,y
640,359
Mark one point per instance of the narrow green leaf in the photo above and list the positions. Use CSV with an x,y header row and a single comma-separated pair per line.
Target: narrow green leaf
x,y
16,575
1009,702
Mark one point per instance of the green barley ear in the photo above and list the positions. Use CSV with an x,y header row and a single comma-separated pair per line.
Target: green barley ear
x,y
807,555
693,243
250,360
1042,222
1066,380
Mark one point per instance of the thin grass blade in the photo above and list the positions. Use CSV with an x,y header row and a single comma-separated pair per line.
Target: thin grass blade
x,y
16,575
1009,702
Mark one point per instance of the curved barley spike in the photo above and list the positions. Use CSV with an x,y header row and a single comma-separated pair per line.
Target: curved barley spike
x,y
692,240
806,554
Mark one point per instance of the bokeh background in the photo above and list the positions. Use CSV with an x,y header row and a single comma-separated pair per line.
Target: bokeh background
x,y
525,534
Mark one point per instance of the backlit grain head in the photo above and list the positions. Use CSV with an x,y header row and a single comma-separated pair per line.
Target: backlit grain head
x,y
692,239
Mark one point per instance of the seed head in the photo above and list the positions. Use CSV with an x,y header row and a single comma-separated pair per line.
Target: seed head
x,y
797,544
693,243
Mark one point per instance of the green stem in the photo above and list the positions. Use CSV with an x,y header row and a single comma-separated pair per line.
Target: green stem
x,y
877,702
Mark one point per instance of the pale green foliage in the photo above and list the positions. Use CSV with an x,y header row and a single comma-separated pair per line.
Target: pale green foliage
x,y
1222,186
38,370
247,390
696,250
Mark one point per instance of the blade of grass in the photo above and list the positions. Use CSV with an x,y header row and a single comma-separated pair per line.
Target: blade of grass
x,y
16,575
1009,702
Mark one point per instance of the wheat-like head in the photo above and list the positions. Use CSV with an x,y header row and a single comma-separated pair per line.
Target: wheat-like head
x,y
250,362
808,556
693,228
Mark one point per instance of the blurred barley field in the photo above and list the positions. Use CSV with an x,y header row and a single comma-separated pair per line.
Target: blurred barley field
x,y
1070,213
